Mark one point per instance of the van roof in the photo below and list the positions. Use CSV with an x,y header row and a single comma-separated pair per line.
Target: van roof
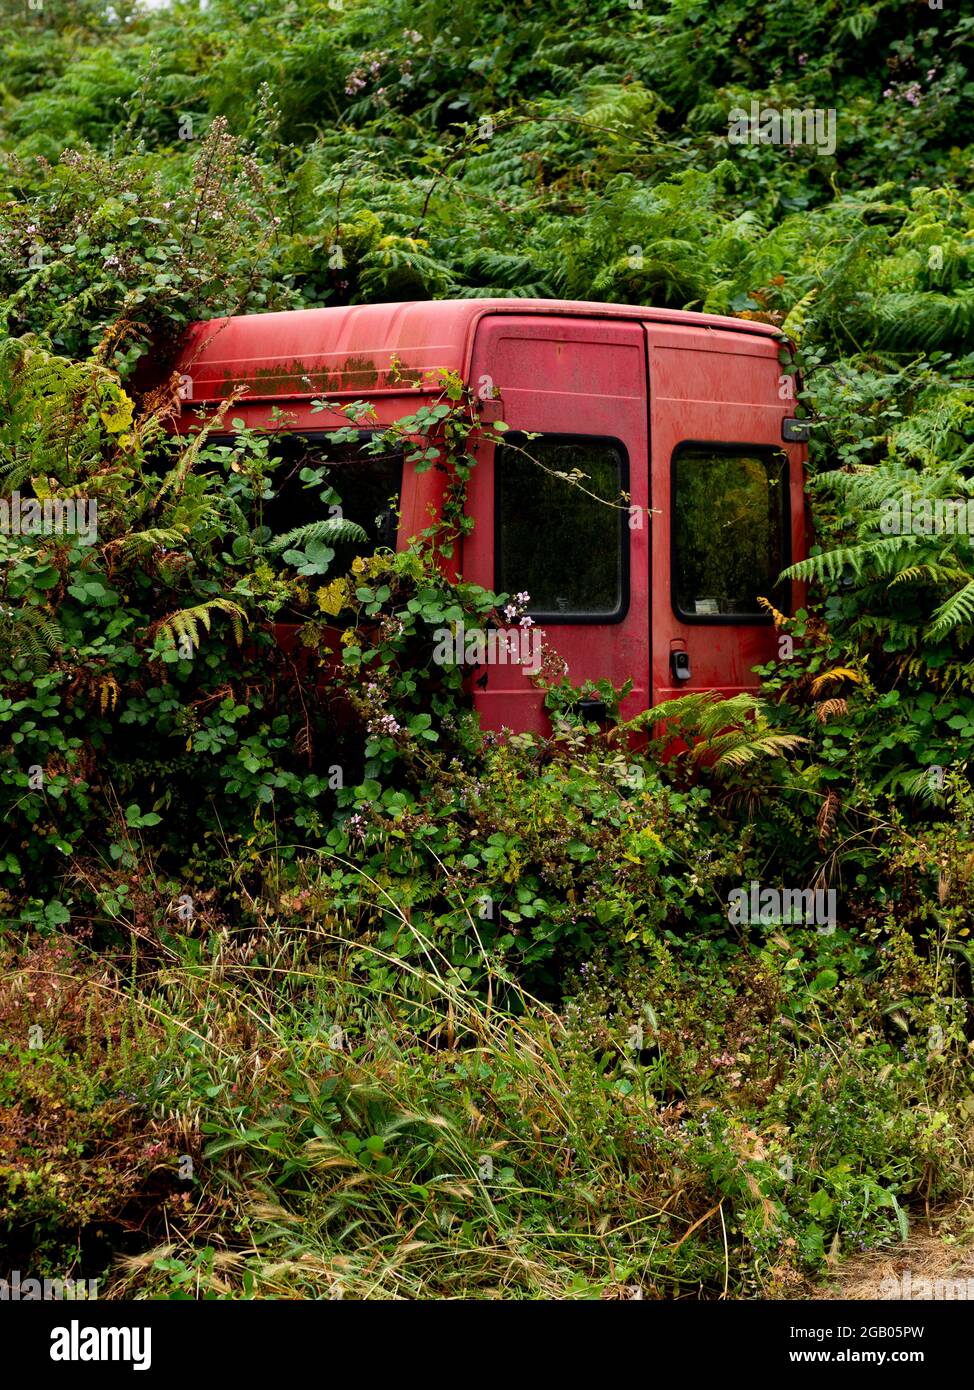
x,y
370,349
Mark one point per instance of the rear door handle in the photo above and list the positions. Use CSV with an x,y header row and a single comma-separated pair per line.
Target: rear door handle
x,y
680,666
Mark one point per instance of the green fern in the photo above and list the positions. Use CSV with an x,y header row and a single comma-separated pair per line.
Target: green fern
x,y
912,320
184,625
957,611
138,543
876,555
798,315
50,423
726,734
32,635
336,529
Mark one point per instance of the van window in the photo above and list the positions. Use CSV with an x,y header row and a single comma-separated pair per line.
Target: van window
x,y
366,487
730,531
564,542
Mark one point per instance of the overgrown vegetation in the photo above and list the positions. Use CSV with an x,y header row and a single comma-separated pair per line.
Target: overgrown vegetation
x,y
470,1018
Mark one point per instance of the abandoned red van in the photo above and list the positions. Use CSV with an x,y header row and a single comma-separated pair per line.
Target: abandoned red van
x,y
690,415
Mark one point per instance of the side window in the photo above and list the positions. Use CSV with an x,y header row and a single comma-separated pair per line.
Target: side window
x,y
561,528
314,479
730,531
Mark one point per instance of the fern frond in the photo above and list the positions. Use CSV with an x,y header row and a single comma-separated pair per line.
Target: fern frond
x,y
335,528
794,323
924,320
185,623
175,479
945,677
831,564
32,634
935,574
50,423
108,693
688,709
779,619
748,750
957,611
833,676
728,733
826,816
138,543
828,708
922,786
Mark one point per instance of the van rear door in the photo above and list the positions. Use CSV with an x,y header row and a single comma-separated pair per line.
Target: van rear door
x,y
563,516
728,494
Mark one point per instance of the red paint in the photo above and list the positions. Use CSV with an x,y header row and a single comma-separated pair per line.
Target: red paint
x,y
649,378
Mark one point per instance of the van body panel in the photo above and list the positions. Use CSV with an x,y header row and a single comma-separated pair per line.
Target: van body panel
x,y
375,349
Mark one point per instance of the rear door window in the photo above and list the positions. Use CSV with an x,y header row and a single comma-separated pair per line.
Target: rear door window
x,y
729,532
561,527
